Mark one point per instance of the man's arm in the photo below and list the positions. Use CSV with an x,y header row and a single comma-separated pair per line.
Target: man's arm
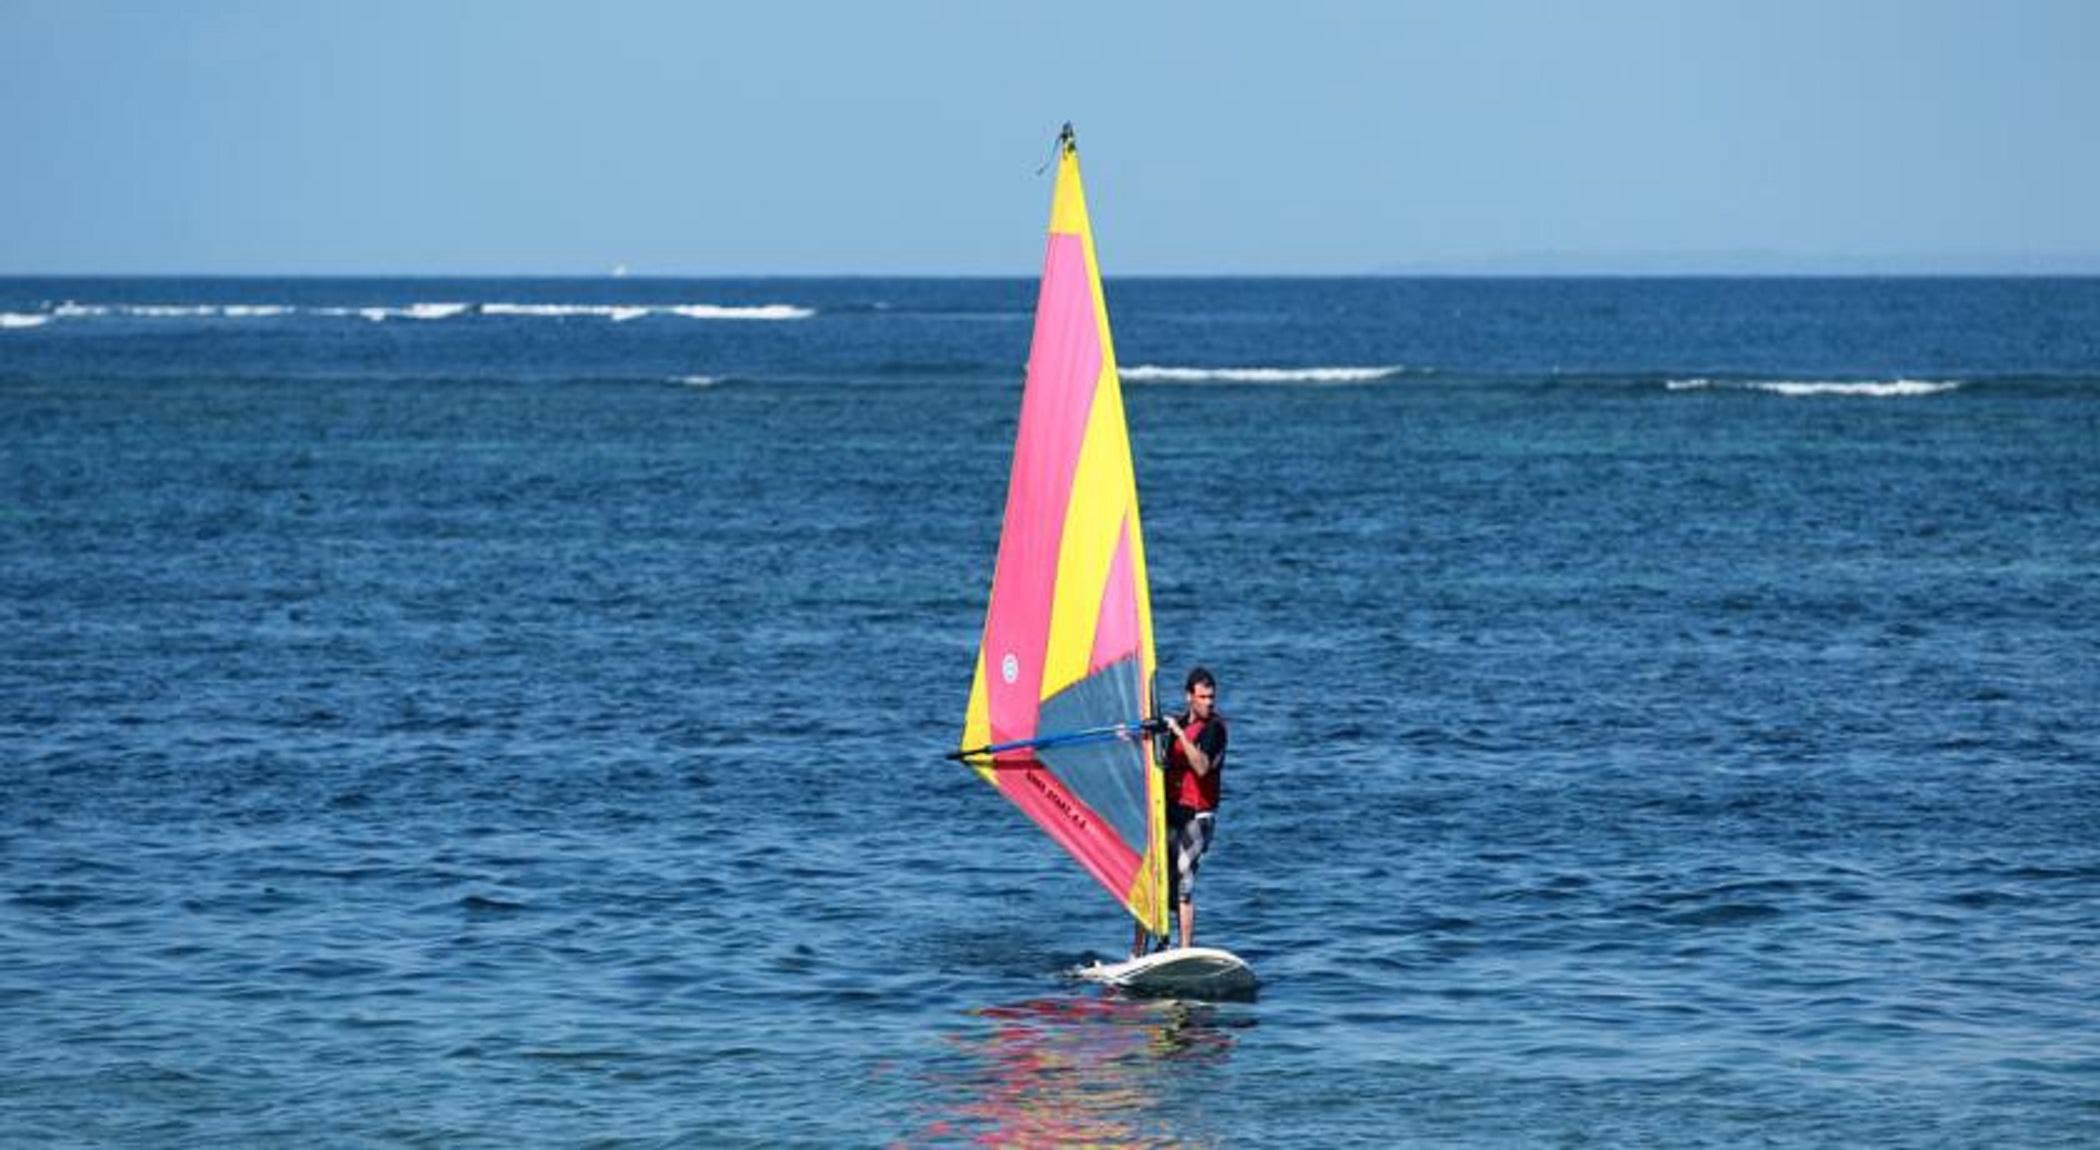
x,y
1199,759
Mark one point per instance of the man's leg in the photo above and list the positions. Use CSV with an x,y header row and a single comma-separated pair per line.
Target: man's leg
x,y
1191,844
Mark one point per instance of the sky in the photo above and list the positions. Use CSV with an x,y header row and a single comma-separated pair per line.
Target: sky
x,y
793,137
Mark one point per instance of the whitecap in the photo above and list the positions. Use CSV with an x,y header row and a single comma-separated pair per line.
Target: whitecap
x,y
540,310
1894,388
435,310
71,310
1796,388
617,313
1151,373
422,311
770,311
171,310
697,380
16,319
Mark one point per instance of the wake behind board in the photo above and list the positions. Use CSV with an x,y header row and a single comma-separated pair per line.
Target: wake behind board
x,y
1195,971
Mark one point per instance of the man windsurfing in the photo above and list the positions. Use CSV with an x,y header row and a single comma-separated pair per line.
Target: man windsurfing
x,y
1195,767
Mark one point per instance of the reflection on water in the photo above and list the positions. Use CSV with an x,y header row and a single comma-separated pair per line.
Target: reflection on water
x,y
1079,1070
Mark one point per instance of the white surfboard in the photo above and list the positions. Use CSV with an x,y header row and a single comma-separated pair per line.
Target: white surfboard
x,y
1195,971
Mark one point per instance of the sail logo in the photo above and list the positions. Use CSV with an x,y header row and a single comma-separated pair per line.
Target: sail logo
x,y
1009,668
1064,806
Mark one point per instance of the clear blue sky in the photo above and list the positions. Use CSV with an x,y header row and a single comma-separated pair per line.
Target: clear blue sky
x,y
1229,137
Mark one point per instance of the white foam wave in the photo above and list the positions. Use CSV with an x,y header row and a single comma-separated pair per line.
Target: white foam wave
x,y
171,311
547,310
1873,389
1896,387
617,313
15,319
1151,373
438,310
698,380
622,313
422,311
207,311
70,310
770,311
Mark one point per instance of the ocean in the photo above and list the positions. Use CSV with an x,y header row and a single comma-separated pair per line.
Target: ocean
x,y
510,712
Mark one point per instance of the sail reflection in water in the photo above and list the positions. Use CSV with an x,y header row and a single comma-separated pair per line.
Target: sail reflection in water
x,y
1078,1071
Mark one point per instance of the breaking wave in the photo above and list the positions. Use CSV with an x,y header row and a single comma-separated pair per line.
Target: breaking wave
x,y
70,310
429,311
770,311
423,311
621,313
1875,389
1150,373
618,313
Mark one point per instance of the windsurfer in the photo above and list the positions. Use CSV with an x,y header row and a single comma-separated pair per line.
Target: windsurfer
x,y
1195,766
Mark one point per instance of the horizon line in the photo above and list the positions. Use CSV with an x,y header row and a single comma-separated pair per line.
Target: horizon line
x,y
2076,269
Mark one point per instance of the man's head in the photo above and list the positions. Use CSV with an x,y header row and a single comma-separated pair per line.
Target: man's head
x,y
1203,692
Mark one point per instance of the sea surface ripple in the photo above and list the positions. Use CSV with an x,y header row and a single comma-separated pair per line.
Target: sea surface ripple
x,y
466,728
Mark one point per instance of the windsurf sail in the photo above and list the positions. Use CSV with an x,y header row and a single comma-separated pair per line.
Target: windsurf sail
x,y
1064,676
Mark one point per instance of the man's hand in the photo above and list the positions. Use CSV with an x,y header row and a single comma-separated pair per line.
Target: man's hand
x,y
1198,761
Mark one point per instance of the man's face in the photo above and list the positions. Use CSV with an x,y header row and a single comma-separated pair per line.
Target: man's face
x,y
1201,697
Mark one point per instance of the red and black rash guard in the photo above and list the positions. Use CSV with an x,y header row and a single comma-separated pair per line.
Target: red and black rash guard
x,y
1185,788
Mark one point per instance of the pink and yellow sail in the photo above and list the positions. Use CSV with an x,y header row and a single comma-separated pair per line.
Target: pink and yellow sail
x,y
1067,641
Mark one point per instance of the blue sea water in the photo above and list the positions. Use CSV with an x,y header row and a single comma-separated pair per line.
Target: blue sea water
x,y
484,713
